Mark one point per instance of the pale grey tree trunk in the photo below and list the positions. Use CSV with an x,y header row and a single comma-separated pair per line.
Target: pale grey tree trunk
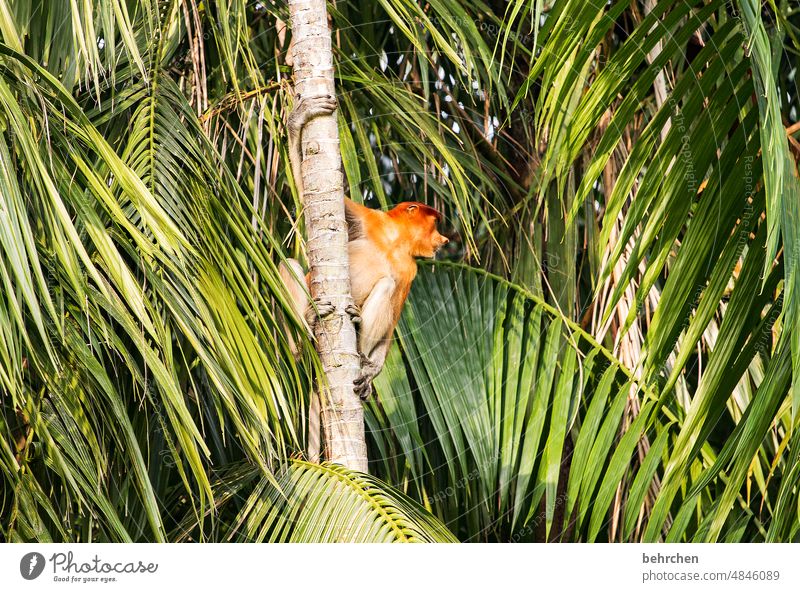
x,y
323,194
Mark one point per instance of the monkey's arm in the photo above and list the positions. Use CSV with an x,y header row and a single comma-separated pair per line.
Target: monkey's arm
x,y
305,109
375,336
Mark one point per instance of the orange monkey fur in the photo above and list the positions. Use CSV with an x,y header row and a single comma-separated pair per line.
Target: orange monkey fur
x,y
385,244
382,249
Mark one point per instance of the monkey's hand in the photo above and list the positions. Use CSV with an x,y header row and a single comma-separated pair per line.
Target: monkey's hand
x,y
319,310
363,384
307,108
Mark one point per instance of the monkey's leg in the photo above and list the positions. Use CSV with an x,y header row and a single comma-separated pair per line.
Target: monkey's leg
x,y
305,109
291,273
371,367
375,335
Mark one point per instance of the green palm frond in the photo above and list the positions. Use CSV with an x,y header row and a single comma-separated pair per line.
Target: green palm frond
x,y
144,297
487,406
313,503
781,184
477,403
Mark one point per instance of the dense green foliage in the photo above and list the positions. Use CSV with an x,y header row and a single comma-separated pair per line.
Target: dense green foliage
x,y
612,353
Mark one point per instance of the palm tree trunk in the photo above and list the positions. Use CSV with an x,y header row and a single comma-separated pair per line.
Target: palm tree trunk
x,y
342,411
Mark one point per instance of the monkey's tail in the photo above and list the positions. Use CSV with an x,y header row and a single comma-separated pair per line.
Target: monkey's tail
x,y
314,442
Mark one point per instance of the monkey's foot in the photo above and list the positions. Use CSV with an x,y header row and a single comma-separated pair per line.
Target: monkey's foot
x,y
355,314
308,108
363,384
320,310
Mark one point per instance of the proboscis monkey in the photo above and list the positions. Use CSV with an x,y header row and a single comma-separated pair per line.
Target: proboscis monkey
x,y
383,248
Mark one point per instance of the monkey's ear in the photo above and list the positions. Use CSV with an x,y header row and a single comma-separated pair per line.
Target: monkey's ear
x,y
411,208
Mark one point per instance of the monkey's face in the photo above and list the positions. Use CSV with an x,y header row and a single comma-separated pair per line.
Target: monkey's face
x,y
420,222
431,241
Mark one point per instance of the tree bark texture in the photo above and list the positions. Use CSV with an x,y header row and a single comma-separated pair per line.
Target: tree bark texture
x,y
326,246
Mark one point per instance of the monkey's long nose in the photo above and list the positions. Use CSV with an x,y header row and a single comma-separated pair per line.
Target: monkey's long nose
x,y
445,240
